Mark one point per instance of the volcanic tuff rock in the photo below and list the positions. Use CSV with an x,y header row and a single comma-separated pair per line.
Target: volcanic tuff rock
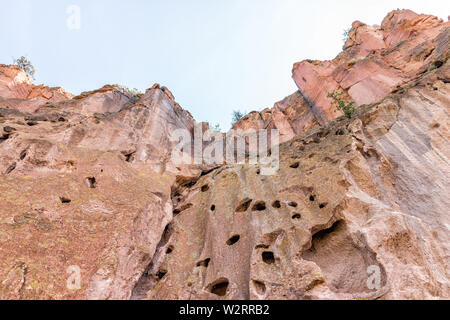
x,y
89,182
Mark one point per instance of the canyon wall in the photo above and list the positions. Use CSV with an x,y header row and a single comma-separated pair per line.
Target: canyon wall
x,y
93,205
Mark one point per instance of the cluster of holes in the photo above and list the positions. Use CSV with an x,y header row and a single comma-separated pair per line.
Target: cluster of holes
x,y
233,240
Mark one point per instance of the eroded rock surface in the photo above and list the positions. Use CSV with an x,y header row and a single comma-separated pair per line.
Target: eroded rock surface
x,y
358,210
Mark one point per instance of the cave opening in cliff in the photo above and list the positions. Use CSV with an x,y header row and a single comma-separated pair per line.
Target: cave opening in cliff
x,y
268,257
219,287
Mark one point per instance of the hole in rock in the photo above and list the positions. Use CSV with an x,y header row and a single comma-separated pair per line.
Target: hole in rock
x,y
438,64
161,274
91,182
10,168
213,207
183,208
9,129
190,184
323,205
276,204
293,204
23,154
343,262
205,188
268,257
259,206
169,250
297,216
260,287
129,156
32,123
340,132
4,137
295,165
219,287
204,263
233,240
311,155
244,205
312,198
65,200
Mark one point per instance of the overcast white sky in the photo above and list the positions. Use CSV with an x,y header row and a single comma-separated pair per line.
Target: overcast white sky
x,y
214,55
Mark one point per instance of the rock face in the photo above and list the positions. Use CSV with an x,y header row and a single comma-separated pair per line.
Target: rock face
x,y
94,207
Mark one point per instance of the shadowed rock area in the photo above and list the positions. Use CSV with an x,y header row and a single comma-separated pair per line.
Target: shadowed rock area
x,y
357,210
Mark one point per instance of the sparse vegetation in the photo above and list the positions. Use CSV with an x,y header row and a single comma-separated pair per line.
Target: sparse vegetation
x,y
347,108
215,127
345,34
133,92
26,65
237,115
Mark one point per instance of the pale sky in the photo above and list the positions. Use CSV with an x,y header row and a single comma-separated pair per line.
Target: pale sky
x,y
214,55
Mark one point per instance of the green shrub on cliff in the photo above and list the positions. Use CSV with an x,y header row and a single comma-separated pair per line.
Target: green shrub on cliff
x,y
237,115
26,65
347,108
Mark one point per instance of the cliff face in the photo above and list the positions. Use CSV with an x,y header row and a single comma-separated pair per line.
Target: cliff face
x,y
358,209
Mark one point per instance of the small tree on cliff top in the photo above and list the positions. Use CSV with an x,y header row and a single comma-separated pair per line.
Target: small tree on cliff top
x,y
237,115
347,108
26,65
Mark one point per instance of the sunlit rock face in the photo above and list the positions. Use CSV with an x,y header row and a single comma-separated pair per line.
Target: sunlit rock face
x,y
357,210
